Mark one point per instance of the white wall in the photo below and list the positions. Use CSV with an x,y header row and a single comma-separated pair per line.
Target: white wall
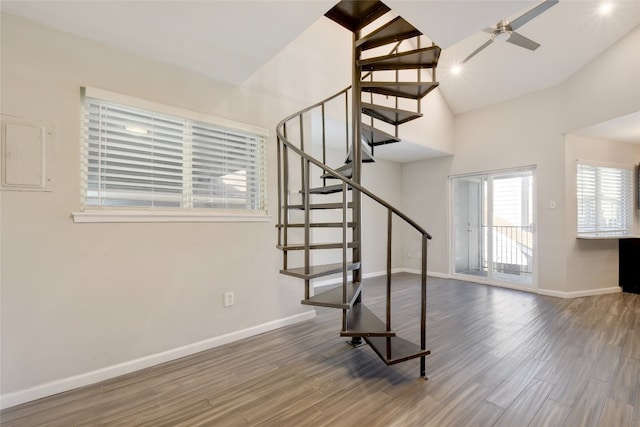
x,y
80,298
426,200
314,66
384,179
593,264
80,301
530,131
435,129
517,133
606,88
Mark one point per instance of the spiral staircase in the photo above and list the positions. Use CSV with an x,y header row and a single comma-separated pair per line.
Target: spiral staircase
x,y
321,203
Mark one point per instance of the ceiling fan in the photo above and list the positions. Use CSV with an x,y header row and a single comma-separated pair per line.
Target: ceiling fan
x,y
505,30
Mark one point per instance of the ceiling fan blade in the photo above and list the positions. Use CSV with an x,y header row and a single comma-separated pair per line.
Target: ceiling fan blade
x,y
522,41
472,54
489,30
528,16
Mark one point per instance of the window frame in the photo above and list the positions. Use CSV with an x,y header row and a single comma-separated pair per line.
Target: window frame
x,y
595,231
172,214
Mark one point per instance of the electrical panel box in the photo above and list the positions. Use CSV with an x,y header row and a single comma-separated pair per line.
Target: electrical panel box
x,y
27,149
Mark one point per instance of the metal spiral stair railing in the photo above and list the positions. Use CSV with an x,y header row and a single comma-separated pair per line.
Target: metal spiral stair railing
x,y
299,134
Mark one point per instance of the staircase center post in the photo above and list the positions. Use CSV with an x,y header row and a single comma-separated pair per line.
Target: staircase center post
x,y
356,142
356,149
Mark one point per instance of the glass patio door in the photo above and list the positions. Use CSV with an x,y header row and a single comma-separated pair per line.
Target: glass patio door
x,y
493,225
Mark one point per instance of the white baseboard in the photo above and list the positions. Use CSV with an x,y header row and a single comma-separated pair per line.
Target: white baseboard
x,y
382,273
540,291
58,386
579,294
496,283
438,275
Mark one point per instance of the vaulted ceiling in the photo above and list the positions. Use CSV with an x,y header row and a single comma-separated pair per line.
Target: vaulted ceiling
x,y
226,39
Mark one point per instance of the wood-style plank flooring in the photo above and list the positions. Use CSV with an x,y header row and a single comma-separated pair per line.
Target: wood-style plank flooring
x,y
499,357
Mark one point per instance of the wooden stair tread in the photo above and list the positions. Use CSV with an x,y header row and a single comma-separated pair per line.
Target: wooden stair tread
x,y
321,206
333,297
393,116
393,31
395,349
366,157
420,58
411,90
318,246
345,170
319,270
318,225
375,136
328,189
356,14
361,322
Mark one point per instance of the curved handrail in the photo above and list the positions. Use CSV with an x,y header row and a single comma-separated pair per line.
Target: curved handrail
x,y
306,110
332,172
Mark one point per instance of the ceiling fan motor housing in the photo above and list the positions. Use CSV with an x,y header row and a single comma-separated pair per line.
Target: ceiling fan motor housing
x,y
503,31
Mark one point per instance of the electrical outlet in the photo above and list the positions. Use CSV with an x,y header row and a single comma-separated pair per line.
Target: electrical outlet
x,y
228,299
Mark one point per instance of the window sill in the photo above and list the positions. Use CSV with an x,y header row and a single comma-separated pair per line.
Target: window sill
x,y
167,216
596,236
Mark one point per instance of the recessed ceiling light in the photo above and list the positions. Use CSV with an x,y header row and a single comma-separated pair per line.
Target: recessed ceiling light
x,y
456,69
605,8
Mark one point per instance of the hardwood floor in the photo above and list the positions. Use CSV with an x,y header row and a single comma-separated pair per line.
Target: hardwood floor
x,y
499,357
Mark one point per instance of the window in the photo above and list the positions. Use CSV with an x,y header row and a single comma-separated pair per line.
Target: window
x,y
141,158
605,199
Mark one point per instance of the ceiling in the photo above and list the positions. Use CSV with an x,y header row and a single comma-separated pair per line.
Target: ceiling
x,y
198,34
621,129
571,34
221,39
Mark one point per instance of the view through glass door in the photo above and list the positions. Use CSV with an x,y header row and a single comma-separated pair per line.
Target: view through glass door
x,y
493,226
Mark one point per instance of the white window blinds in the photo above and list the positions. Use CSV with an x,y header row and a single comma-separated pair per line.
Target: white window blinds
x,y
605,199
138,158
